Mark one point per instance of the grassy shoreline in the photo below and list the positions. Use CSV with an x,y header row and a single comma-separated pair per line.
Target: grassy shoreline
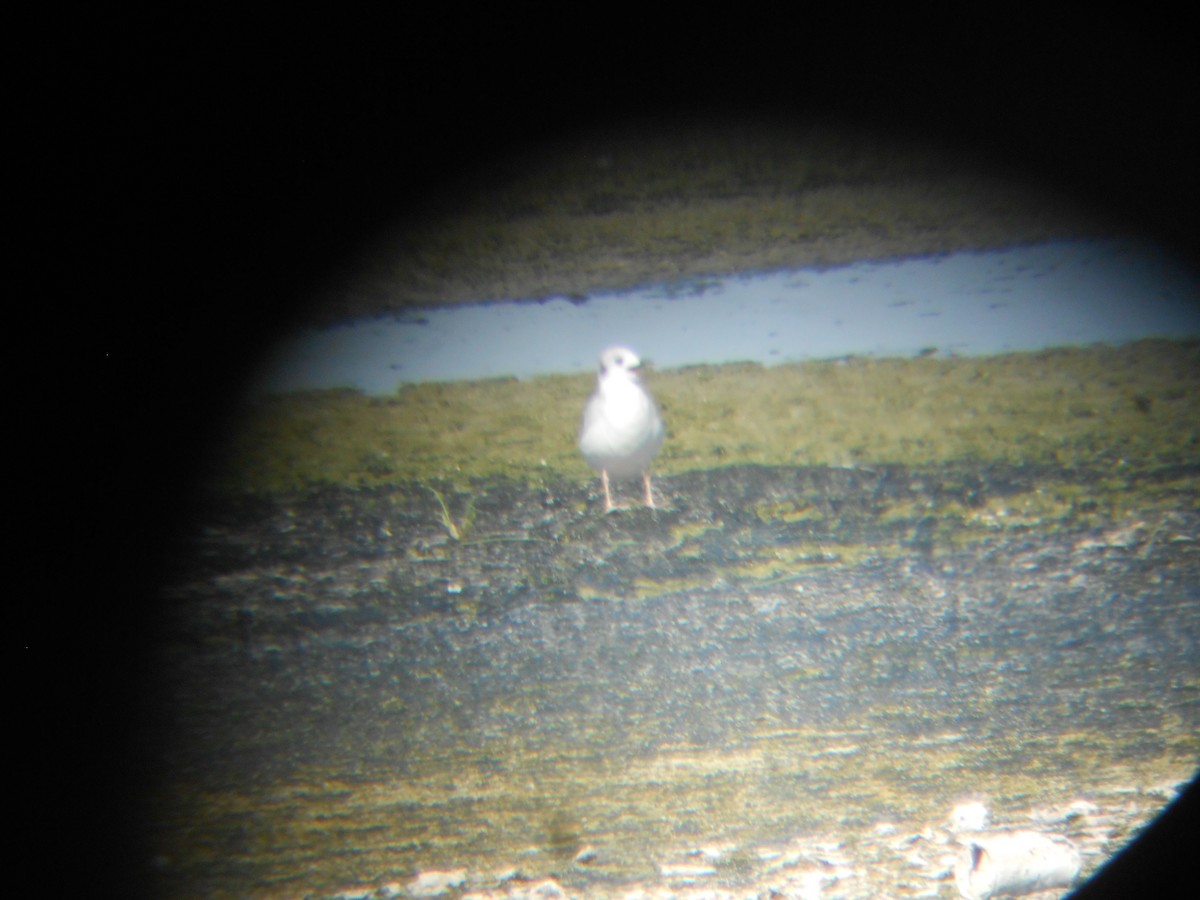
x,y
1134,405
666,201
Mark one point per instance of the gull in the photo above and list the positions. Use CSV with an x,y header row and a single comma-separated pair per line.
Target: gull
x,y
621,430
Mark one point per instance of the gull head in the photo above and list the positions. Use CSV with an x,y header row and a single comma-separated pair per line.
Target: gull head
x,y
619,361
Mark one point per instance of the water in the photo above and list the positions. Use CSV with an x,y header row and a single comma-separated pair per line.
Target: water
x,y
969,303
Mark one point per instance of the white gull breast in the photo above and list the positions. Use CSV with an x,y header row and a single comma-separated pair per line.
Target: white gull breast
x,y
622,430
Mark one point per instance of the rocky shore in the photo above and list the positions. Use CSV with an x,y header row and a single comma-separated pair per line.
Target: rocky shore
x,y
1053,850
547,698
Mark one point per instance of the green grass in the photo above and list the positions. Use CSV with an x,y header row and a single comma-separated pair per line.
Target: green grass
x,y
1132,406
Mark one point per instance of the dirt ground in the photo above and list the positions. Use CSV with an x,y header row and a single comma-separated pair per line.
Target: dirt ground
x,y
777,654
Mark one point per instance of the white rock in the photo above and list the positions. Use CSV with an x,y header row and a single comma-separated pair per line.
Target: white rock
x,y
1167,791
808,885
1080,808
711,852
675,870
434,882
1075,810
508,873
942,869
972,816
587,854
1014,863
546,889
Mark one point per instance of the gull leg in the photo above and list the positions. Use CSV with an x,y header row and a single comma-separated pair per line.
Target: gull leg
x,y
649,493
608,504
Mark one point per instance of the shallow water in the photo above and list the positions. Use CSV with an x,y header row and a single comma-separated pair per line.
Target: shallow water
x,y
967,303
